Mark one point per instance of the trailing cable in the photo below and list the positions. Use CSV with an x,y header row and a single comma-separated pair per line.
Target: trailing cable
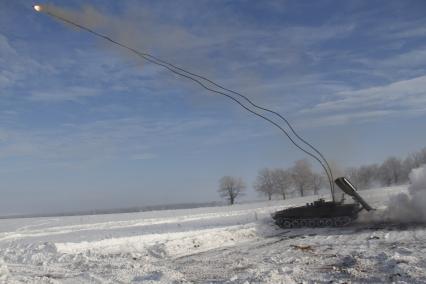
x,y
193,77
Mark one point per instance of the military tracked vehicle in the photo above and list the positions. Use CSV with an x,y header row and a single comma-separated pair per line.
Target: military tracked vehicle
x,y
323,213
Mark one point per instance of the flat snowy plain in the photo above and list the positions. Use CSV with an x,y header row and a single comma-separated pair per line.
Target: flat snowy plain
x,y
231,244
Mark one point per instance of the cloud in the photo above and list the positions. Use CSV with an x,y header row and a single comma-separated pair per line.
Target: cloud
x,y
314,35
5,48
397,65
345,118
144,156
124,138
410,28
74,94
7,76
407,95
17,66
404,98
416,30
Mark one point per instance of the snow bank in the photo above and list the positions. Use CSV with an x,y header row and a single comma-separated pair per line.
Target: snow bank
x,y
4,271
171,244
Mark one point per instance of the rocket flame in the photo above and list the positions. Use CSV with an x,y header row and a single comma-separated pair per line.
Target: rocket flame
x,y
37,8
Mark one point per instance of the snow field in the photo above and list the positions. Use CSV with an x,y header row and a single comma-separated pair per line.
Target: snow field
x,y
230,244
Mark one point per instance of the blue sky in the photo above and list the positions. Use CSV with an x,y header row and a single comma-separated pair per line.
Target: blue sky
x,y
87,126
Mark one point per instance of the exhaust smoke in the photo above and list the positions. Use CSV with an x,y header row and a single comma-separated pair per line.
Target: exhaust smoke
x,y
87,16
408,208
411,207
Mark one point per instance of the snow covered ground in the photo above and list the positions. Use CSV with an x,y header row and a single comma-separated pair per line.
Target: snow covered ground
x,y
232,244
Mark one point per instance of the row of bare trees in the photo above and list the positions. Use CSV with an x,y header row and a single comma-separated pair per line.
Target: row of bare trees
x,y
303,180
300,178
270,182
392,171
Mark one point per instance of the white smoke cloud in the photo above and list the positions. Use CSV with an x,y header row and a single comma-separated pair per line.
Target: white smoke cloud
x,y
407,207
410,207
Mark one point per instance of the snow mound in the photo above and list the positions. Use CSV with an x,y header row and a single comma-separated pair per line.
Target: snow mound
x,y
39,254
4,271
164,245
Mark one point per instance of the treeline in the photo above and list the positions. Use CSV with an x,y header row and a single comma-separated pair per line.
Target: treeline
x,y
392,171
284,182
302,180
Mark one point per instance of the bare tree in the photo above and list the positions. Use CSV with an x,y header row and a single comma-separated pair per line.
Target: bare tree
x,y
282,182
302,176
368,175
317,182
337,169
413,161
419,158
264,183
390,171
407,165
364,176
230,188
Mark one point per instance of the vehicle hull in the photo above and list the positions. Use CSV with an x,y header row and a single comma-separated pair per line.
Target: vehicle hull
x,y
317,214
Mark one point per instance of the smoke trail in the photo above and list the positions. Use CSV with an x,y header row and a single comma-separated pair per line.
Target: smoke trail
x,y
87,15
127,28
81,21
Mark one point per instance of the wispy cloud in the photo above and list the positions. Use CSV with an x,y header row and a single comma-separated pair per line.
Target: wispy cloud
x,y
17,67
144,156
74,94
409,94
5,48
344,118
401,98
396,65
411,28
101,139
